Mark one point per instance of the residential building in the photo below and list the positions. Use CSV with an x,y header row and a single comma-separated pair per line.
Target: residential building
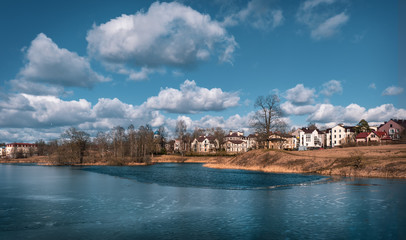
x,y
2,151
236,146
310,138
374,136
282,141
393,128
252,142
205,144
339,135
16,150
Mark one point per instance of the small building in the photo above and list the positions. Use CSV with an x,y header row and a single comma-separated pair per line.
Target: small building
x,y
205,144
374,136
282,141
236,146
20,150
393,128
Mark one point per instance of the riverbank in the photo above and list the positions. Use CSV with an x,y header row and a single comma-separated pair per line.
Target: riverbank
x,y
387,161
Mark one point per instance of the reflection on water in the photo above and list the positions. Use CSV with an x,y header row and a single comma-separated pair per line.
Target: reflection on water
x,y
172,201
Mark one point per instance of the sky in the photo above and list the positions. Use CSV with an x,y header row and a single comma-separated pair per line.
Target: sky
x,y
95,65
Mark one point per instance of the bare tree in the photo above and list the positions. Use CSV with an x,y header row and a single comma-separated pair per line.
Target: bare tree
x,y
267,118
78,141
181,133
102,143
132,139
118,136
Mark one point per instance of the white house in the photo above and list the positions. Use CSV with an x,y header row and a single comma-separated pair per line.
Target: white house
x,y
339,135
14,150
236,146
310,138
205,144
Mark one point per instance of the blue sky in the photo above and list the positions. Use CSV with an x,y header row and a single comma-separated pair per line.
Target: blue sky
x,y
97,64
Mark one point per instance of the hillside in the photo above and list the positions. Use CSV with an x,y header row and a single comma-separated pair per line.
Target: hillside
x,y
371,161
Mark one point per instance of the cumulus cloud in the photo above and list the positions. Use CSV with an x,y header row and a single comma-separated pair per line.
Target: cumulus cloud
x,y
289,109
50,68
321,18
392,91
168,34
259,14
331,87
300,95
353,113
192,98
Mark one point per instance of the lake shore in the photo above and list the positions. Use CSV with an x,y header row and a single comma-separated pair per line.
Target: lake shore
x,y
387,161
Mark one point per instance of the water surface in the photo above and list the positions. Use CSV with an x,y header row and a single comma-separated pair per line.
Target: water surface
x,y
187,201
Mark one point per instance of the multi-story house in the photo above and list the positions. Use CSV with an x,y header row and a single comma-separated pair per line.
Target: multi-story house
x,y
339,135
393,128
205,144
310,138
15,150
282,141
2,151
236,146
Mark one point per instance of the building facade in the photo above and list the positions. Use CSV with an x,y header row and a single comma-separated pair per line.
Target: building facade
x,y
19,150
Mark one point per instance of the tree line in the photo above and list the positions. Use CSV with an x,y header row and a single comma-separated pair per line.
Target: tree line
x,y
120,146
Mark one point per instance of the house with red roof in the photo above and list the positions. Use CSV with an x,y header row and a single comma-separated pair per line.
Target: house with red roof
x,y
17,150
374,136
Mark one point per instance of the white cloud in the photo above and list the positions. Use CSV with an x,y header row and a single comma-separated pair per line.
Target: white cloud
x,y
168,34
290,109
330,26
353,113
321,18
372,85
300,95
259,14
392,91
331,87
23,110
50,68
192,98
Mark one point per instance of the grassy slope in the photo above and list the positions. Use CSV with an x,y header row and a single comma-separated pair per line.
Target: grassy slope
x,y
372,161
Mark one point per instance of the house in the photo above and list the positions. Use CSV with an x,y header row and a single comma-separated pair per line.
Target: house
x,y
18,150
205,144
252,142
393,128
282,141
310,138
2,151
236,146
374,136
339,135
235,136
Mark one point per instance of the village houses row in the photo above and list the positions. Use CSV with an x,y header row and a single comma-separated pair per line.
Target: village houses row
x,y
237,142
301,139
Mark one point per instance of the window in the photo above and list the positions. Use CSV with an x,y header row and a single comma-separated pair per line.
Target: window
x,y
340,130
335,141
335,136
339,136
335,130
308,138
390,125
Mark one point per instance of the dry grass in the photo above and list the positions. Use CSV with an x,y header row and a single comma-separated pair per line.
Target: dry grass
x,y
369,161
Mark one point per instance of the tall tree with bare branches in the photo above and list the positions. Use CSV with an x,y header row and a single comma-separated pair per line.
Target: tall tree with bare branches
x,y
267,118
